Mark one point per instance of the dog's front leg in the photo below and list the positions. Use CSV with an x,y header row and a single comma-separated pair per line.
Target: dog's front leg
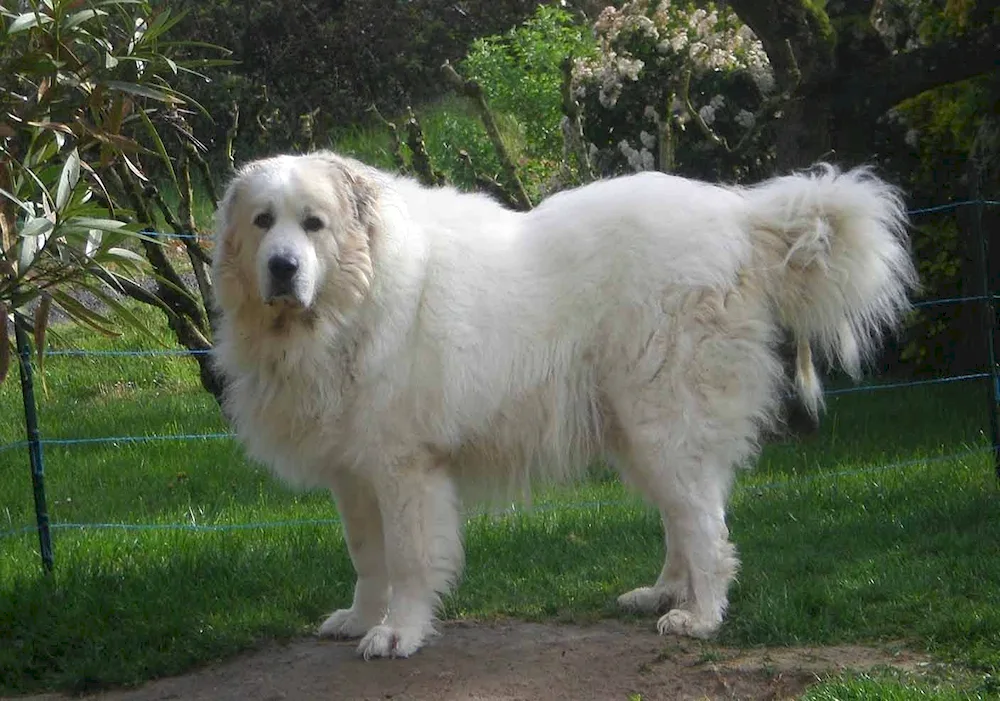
x,y
362,523
423,550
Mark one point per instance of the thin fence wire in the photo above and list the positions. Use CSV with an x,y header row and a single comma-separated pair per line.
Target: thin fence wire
x,y
948,206
755,488
125,439
951,205
77,353
513,510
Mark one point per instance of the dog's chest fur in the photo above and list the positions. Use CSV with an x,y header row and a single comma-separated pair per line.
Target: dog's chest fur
x,y
287,402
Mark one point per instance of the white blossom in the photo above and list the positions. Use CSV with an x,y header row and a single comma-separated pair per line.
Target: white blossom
x,y
745,119
707,114
638,160
646,159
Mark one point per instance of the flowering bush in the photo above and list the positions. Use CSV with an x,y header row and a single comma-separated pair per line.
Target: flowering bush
x,y
675,87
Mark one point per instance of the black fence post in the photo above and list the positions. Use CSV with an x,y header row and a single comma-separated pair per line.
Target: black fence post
x,y
990,328
34,442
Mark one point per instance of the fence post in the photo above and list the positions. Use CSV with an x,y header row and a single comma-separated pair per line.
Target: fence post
x,y
34,442
990,328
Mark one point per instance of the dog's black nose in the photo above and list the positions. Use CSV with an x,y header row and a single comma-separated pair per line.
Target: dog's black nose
x,y
282,268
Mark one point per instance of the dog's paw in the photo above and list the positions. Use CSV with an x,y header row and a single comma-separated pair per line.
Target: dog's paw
x,y
646,600
389,641
345,623
681,622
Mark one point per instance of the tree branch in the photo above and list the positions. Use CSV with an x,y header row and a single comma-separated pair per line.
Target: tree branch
x,y
487,184
796,35
422,165
474,91
768,107
871,92
573,125
397,144
231,132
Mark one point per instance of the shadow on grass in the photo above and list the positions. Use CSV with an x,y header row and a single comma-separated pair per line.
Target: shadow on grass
x,y
907,556
911,555
122,608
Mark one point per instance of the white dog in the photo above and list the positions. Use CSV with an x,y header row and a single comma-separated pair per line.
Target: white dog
x,y
407,346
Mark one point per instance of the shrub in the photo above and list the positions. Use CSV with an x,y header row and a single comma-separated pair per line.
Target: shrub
x,y
84,91
521,73
296,56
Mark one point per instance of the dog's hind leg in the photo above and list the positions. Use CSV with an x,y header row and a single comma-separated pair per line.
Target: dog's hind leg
x,y
691,493
423,549
687,412
670,588
362,523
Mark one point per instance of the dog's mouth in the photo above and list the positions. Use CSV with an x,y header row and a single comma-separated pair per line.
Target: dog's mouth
x,y
287,279
287,317
288,311
283,301
290,295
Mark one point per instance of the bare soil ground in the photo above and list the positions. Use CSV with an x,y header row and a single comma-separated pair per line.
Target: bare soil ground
x,y
514,661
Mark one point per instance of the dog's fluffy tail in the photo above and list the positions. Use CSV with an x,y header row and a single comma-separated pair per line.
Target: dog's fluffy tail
x,y
836,264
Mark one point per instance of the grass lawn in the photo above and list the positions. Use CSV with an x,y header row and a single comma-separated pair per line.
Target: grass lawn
x,y
172,553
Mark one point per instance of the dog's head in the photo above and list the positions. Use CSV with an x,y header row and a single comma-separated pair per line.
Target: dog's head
x,y
293,236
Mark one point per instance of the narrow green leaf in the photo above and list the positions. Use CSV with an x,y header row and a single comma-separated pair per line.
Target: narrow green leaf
x,y
144,91
125,254
26,254
84,224
4,342
41,325
122,311
93,243
176,288
100,182
82,16
158,143
56,127
116,3
38,226
68,179
134,168
46,197
27,21
18,201
78,312
163,23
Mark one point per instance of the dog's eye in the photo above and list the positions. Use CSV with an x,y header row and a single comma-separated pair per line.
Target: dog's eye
x,y
264,220
312,223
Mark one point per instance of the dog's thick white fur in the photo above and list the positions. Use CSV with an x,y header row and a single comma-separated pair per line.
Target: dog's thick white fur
x,y
409,347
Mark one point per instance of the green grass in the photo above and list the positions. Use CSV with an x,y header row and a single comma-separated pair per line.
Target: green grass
x,y
834,548
895,686
450,125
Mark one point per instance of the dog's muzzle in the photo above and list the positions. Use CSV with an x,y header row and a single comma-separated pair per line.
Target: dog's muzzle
x,y
282,269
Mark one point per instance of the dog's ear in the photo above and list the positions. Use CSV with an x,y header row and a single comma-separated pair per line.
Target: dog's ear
x,y
227,242
364,196
361,193
225,235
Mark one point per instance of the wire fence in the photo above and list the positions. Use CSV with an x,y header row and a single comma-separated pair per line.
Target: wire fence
x,y
35,441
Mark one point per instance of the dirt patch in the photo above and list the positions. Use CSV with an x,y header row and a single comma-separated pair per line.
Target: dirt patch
x,y
514,661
